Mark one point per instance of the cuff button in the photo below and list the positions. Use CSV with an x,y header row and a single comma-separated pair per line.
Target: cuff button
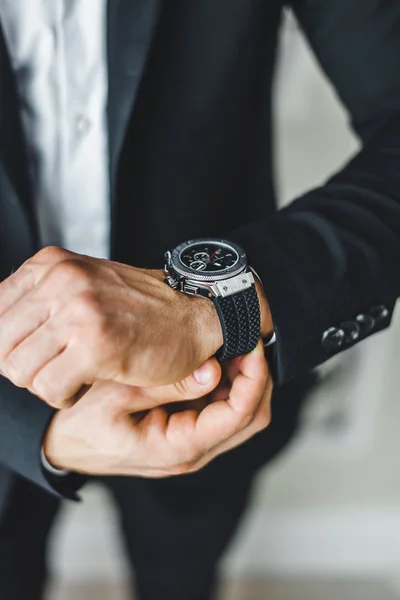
x,y
351,331
366,323
379,313
333,339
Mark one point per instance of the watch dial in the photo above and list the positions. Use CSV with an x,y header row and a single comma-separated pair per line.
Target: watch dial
x,y
209,257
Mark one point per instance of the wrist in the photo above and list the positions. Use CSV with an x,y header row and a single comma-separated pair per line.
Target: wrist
x,y
208,327
51,469
209,330
55,447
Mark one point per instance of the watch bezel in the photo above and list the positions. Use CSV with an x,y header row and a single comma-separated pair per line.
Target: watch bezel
x,y
184,271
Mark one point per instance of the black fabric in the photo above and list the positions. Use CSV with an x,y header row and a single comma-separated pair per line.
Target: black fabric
x,y
335,251
173,556
24,526
190,153
239,315
33,417
176,531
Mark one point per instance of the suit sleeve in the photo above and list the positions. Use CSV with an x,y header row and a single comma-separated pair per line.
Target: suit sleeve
x,y
330,261
23,418
23,424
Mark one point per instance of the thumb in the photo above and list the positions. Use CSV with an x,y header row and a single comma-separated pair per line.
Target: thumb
x,y
200,383
206,375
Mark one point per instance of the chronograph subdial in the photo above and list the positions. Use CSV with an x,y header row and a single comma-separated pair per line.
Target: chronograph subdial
x,y
199,265
202,256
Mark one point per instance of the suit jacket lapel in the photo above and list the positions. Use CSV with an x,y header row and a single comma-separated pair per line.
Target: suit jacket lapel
x,y
131,25
12,143
130,28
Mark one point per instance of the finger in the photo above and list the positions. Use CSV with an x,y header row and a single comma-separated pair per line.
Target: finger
x,y
222,419
261,420
15,287
191,457
28,275
231,370
249,384
200,383
197,405
155,421
63,376
189,390
19,322
32,354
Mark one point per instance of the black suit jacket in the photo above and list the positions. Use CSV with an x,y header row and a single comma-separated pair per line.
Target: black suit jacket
x,y
190,155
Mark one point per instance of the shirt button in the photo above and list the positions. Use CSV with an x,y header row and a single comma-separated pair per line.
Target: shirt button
x,y
333,339
82,125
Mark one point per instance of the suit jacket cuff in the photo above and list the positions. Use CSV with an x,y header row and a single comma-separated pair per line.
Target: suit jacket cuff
x,y
24,420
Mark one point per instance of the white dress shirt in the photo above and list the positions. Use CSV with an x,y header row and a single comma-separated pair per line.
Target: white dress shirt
x,y
58,53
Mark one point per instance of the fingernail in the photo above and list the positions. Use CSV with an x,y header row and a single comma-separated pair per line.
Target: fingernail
x,y
203,374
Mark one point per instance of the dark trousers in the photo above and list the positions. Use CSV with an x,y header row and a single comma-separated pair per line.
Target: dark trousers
x,y
175,530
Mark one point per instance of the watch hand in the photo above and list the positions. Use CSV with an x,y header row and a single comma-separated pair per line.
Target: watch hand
x,y
213,254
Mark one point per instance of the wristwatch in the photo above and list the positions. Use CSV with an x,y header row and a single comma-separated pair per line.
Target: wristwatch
x,y
218,270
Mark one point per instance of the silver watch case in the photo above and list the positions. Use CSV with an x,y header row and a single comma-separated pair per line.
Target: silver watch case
x,y
225,283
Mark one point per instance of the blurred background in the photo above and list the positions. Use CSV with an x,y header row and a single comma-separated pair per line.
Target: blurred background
x,y
325,517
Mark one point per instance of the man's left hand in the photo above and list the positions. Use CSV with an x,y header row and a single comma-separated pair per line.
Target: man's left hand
x,y
68,320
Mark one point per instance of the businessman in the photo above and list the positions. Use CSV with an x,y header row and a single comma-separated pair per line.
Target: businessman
x,y
139,130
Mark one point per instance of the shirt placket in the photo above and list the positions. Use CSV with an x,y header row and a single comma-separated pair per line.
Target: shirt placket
x,y
86,207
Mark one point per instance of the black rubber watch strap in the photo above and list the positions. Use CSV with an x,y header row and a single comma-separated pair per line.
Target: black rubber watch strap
x,y
239,315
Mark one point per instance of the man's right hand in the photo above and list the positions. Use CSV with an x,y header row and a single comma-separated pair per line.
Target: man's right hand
x,y
116,429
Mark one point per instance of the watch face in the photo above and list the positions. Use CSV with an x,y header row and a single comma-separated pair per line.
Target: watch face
x,y
209,257
207,260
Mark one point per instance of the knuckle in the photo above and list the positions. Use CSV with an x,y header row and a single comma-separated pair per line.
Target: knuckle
x,y
15,371
57,403
68,272
50,254
45,393
25,276
124,399
88,308
100,327
182,390
92,328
